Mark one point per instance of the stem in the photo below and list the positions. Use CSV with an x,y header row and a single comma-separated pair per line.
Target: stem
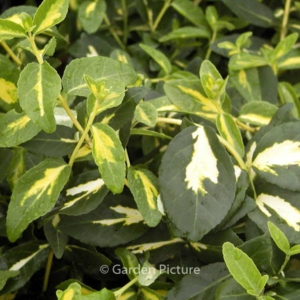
x,y
11,54
113,33
125,21
285,19
83,137
213,38
127,158
233,152
161,14
119,292
47,272
35,49
287,258
244,126
169,121
149,15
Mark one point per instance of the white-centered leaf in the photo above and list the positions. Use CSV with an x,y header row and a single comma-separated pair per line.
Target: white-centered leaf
x,y
35,194
289,213
144,187
49,13
280,154
109,156
38,89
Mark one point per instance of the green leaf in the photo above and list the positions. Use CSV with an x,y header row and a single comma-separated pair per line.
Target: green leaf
x,y
6,275
289,61
16,129
159,57
10,30
146,113
243,269
144,187
57,239
148,275
284,46
252,11
25,259
190,11
59,143
100,69
48,14
294,250
149,294
35,194
202,174
279,238
137,131
38,89
212,17
230,132
189,97
186,32
129,261
104,294
73,292
245,60
109,156
257,112
230,289
115,222
90,14
287,94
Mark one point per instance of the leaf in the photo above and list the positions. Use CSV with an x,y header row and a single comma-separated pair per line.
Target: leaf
x,y
230,132
73,292
279,238
294,250
245,60
109,156
6,275
257,112
202,174
149,294
146,113
284,46
202,286
159,57
48,14
189,97
10,30
35,194
287,94
90,14
38,89
148,275
84,193
100,69
129,261
113,223
59,143
243,269
186,32
277,156
16,129
190,11
144,187
57,239
24,259
252,11
137,131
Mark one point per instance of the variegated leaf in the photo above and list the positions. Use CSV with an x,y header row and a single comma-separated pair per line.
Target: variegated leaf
x,y
144,187
109,156
38,89
257,112
49,13
35,194
277,156
115,222
16,129
10,30
196,176
230,132
146,113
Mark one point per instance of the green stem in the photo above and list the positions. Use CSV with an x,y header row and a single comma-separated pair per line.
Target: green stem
x,y
84,136
149,15
125,21
169,121
127,158
37,54
286,260
11,53
285,19
47,272
119,292
213,38
244,126
161,14
113,32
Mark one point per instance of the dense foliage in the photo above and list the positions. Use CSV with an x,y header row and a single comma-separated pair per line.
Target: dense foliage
x,y
150,149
